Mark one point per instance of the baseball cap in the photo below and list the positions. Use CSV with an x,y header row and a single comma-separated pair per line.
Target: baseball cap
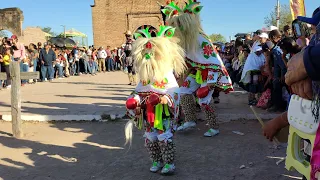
x,y
314,20
271,28
264,35
14,37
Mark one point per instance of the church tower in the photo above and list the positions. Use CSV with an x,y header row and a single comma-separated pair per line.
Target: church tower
x,y
112,18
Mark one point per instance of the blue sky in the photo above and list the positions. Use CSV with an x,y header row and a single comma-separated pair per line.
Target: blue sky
x,y
227,17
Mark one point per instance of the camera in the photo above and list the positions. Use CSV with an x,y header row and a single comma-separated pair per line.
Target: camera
x,y
300,29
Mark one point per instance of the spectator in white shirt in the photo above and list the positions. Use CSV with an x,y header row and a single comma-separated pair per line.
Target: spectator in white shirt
x,y
77,61
102,55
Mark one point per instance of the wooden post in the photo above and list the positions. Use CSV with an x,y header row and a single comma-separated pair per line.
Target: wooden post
x,y
15,99
16,77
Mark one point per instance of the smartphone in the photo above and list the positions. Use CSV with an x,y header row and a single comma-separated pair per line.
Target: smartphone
x,y
297,30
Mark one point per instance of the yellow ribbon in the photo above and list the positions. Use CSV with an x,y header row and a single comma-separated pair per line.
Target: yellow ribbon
x,y
199,77
158,121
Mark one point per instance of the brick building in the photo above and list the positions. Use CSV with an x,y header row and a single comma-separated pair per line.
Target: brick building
x,y
111,18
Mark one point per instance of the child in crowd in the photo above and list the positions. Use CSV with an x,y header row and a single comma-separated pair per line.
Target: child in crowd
x,y
7,58
251,74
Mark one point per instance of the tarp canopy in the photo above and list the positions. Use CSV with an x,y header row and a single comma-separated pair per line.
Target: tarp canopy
x,y
73,33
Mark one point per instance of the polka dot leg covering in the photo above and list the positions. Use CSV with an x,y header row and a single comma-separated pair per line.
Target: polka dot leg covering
x,y
210,114
188,107
168,150
154,151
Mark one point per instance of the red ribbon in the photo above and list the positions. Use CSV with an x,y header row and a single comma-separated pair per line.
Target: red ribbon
x,y
204,74
208,108
150,113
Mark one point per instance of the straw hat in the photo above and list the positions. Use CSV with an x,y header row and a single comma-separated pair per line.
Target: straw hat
x,y
128,33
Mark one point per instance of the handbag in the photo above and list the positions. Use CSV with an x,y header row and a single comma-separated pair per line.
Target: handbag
x,y
264,99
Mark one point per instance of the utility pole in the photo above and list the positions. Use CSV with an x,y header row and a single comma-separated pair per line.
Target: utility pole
x,y
278,13
64,30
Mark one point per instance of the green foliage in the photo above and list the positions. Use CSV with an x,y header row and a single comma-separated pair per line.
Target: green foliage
x,y
48,30
285,17
217,38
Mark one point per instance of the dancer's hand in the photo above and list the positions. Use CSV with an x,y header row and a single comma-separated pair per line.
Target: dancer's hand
x,y
163,100
271,128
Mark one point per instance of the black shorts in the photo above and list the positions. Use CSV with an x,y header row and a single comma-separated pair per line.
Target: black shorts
x,y
131,70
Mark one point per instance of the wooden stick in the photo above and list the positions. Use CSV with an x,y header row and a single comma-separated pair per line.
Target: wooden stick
x,y
280,161
15,100
159,3
275,140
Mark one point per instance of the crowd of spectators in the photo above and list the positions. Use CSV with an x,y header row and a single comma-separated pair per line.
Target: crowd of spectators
x,y
55,62
257,63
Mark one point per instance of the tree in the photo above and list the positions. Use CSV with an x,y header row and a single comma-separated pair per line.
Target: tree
x,y
48,30
285,17
217,38
3,34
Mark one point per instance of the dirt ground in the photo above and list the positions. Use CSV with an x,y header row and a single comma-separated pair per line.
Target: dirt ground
x,y
95,151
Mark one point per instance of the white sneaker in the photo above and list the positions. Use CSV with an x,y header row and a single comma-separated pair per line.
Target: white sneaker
x,y
8,87
168,169
211,132
187,125
156,166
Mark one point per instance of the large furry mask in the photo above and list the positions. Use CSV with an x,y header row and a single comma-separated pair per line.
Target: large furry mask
x,y
187,22
156,56
184,19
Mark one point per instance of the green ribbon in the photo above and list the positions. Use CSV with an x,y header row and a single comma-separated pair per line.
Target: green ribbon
x,y
197,100
199,77
158,121
140,121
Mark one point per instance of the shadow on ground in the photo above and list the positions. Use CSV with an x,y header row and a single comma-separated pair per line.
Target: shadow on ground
x,y
100,155
71,108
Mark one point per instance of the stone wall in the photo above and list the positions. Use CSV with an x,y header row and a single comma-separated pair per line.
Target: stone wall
x,y
32,35
11,19
111,18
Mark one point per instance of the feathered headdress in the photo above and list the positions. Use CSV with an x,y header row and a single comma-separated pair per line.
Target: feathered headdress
x,y
156,56
172,8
